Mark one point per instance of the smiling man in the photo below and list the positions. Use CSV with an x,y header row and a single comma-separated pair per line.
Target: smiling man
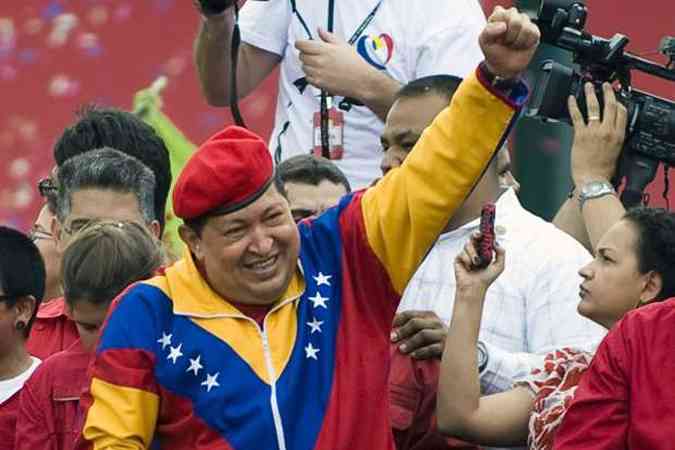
x,y
273,336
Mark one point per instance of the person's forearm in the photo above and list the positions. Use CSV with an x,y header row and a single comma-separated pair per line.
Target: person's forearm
x,y
570,220
600,214
212,49
459,387
378,92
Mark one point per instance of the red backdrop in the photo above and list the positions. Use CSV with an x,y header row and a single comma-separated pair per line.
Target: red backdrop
x,y
58,55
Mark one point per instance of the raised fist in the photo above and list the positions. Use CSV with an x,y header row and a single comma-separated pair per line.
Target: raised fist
x,y
508,41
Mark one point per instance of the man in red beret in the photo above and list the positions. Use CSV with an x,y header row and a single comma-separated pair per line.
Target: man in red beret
x,y
268,335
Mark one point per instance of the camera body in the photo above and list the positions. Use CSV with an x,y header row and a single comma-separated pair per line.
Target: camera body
x,y
651,119
650,134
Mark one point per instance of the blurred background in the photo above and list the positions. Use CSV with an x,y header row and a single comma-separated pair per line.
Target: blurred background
x,y
58,55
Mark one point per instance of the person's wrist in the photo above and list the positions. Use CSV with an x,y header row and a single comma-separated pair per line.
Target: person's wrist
x,y
472,292
586,178
368,89
495,73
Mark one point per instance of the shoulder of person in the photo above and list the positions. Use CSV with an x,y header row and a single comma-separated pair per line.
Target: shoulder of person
x,y
653,320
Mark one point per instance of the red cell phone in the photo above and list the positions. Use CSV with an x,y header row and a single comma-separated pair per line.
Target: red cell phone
x,y
486,245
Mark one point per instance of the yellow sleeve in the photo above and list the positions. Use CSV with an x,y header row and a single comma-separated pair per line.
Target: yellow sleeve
x,y
120,417
406,211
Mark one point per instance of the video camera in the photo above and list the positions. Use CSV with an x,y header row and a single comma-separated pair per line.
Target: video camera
x,y
650,134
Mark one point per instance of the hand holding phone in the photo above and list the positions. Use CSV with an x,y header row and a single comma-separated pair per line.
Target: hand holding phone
x,y
486,245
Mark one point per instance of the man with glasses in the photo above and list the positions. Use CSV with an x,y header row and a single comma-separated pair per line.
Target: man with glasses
x,y
99,184
42,236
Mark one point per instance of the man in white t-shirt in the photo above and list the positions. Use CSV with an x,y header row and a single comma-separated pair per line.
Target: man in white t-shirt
x,y
375,47
532,308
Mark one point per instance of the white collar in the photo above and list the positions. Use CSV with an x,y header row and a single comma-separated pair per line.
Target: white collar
x,y
13,385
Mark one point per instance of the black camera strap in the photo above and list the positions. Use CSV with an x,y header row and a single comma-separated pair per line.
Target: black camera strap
x,y
234,57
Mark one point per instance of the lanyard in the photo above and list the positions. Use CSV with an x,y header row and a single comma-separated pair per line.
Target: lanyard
x,y
331,19
323,110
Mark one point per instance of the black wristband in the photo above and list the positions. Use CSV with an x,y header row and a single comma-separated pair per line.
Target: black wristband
x,y
503,84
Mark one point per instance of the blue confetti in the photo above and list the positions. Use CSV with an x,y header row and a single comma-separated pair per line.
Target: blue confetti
x,y
52,10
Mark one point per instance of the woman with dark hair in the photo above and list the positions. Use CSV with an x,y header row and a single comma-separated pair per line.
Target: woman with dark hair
x,y
634,265
99,262
22,286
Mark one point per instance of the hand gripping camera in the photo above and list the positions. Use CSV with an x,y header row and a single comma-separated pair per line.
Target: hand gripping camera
x,y
650,134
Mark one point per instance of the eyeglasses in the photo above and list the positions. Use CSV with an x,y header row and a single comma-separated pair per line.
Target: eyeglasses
x,y
4,298
47,187
37,234
77,225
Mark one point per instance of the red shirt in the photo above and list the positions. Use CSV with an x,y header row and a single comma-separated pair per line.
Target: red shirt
x,y
52,331
413,385
8,412
49,417
625,399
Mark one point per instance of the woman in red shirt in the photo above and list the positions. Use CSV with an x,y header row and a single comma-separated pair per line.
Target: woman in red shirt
x,y
22,286
98,264
634,265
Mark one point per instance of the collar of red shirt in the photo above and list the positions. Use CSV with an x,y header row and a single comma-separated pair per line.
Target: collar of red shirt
x,y
52,309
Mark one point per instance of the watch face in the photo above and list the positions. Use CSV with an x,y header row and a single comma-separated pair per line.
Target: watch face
x,y
595,188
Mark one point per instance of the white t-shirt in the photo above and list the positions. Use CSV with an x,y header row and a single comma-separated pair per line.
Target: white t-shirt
x,y
410,39
10,387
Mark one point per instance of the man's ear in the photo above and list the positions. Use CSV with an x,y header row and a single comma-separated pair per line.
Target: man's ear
x,y
155,228
192,240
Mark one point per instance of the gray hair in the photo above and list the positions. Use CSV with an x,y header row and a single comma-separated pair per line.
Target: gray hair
x,y
109,169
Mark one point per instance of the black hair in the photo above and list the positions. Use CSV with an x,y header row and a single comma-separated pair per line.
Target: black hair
x,y
656,244
308,169
108,127
106,168
442,85
22,270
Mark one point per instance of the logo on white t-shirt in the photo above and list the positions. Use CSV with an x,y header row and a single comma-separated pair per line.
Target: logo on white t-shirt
x,y
376,50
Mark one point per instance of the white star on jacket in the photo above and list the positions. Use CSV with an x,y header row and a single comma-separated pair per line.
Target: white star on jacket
x,y
211,381
322,279
195,365
318,300
310,352
165,340
315,325
175,353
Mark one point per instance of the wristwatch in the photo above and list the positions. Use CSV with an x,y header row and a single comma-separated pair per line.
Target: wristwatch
x,y
482,356
594,189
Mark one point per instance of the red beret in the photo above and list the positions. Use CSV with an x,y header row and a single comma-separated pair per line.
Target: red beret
x,y
229,171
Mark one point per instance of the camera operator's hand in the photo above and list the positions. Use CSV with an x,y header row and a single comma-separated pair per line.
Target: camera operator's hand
x,y
508,42
598,142
333,65
420,334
